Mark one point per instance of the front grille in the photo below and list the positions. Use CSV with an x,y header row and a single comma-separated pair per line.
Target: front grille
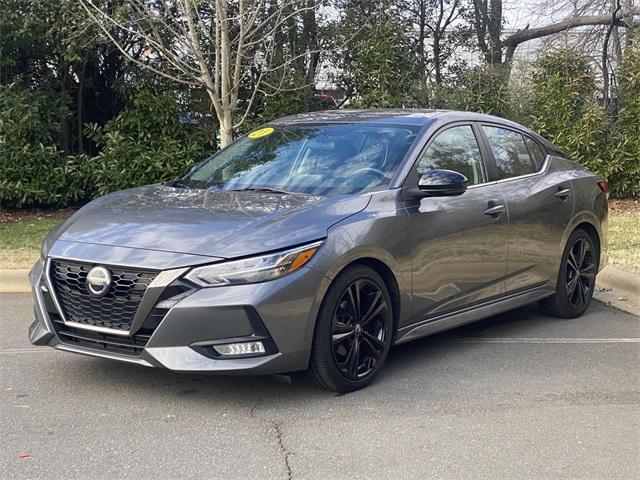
x,y
116,309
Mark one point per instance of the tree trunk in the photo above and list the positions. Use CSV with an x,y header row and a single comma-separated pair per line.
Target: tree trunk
x,y
436,59
487,15
226,128
422,19
226,137
80,105
311,42
494,28
64,123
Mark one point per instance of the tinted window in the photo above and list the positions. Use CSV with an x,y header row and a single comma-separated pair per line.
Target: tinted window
x,y
314,159
510,152
455,149
536,151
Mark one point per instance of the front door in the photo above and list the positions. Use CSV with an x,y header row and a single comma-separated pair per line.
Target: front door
x,y
459,244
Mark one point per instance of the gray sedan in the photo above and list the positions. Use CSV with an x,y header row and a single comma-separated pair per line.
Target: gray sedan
x,y
320,240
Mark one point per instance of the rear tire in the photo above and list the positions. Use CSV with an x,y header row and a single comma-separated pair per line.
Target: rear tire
x,y
576,278
353,331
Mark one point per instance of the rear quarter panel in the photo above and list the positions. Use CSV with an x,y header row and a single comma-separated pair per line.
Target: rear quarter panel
x,y
591,207
537,222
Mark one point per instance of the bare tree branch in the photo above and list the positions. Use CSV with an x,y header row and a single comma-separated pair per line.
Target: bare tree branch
x,y
527,34
216,44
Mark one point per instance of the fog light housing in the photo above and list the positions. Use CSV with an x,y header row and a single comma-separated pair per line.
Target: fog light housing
x,y
243,348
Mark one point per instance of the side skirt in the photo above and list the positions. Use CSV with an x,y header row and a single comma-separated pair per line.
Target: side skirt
x,y
471,314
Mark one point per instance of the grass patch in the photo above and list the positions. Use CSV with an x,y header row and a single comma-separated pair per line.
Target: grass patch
x,y
20,240
624,236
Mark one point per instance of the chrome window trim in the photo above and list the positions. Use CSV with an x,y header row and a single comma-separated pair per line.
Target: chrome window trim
x,y
432,129
543,169
149,299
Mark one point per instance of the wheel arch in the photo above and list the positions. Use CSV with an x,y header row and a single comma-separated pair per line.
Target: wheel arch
x,y
586,221
382,262
390,281
593,233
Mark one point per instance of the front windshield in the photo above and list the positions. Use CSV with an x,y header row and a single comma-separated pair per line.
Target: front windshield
x,y
324,159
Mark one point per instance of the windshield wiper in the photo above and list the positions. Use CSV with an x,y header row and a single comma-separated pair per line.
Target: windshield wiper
x,y
176,184
261,189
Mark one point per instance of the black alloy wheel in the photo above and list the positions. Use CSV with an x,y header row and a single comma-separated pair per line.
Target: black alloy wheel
x,y
580,273
353,332
359,329
576,277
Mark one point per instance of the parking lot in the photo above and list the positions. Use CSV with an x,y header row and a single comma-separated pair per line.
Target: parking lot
x,y
519,395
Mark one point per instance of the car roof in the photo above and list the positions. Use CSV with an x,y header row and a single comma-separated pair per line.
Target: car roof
x,y
400,116
407,116
404,116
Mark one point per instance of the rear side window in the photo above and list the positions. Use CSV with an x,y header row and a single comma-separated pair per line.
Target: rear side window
x,y
455,149
510,152
536,152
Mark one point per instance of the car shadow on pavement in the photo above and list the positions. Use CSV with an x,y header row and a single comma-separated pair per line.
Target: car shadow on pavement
x,y
420,352
411,362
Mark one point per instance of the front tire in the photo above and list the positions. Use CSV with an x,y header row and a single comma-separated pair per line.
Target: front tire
x,y
576,278
353,331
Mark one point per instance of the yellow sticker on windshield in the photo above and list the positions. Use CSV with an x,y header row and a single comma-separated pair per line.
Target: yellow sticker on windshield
x,y
263,132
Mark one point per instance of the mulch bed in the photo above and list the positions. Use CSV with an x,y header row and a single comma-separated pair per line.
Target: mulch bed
x,y
628,205
15,216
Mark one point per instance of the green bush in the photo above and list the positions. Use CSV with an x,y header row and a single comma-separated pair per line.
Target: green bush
x,y
382,68
152,140
156,138
565,109
147,143
33,171
482,89
624,151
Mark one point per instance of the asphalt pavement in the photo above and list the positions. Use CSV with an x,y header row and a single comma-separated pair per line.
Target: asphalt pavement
x,y
516,396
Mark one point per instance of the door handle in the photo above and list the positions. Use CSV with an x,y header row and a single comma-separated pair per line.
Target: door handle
x,y
563,193
495,211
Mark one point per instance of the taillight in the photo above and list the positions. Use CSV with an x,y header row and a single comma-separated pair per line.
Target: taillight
x,y
603,186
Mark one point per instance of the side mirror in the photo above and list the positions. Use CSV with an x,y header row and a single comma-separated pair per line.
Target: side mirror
x,y
442,183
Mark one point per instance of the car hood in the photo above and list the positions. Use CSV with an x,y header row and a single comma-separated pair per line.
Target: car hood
x,y
207,223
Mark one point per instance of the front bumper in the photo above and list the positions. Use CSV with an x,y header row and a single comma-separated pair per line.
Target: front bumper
x,y
281,311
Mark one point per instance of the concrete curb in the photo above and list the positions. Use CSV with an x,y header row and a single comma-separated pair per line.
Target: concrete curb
x,y
614,287
624,281
619,288
14,281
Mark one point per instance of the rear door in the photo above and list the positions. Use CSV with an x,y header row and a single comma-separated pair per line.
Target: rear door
x,y
459,244
539,202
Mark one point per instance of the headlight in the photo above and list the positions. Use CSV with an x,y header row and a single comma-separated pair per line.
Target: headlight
x,y
253,270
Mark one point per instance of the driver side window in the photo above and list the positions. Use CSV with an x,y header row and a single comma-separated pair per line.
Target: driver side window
x,y
455,149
